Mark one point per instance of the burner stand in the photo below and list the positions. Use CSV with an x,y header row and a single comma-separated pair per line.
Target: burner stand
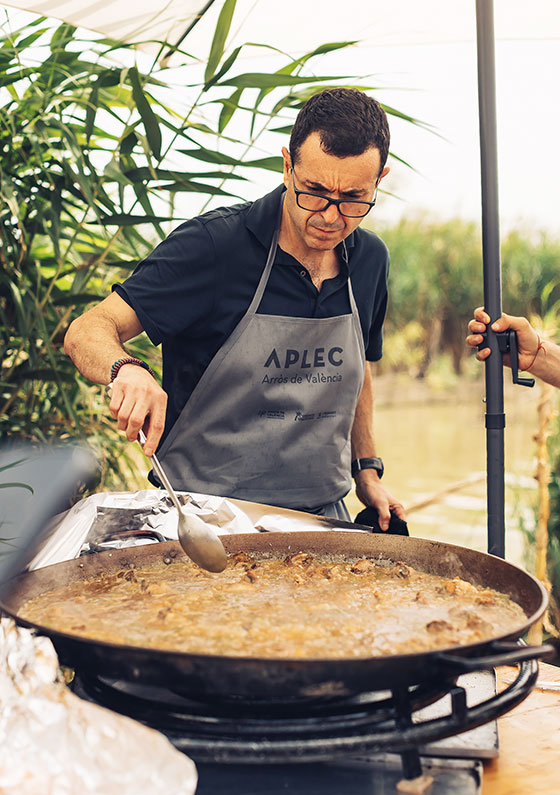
x,y
372,723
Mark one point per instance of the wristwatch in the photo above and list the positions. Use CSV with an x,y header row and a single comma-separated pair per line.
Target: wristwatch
x,y
367,463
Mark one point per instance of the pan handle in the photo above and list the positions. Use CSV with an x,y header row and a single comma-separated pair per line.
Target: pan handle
x,y
501,653
118,535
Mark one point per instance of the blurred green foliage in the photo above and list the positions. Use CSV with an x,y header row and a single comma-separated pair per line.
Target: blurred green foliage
x,y
436,281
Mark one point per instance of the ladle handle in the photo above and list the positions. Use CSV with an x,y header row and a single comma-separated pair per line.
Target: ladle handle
x,y
164,480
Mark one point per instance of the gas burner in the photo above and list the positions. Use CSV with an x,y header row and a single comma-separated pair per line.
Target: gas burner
x,y
315,731
375,776
171,711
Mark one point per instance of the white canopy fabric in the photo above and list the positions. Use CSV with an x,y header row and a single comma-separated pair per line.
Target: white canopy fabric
x,y
123,20
400,22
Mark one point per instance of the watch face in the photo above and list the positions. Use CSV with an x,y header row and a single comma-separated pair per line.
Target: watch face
x,y
367,463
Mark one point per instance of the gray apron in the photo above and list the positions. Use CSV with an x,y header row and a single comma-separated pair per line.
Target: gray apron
x,y
270,419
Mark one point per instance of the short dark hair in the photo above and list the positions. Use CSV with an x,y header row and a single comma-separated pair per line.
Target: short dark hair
x,y
348,122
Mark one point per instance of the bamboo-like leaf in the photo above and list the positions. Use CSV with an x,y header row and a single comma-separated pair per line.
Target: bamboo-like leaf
x,y
53,212
149,119
259,80
145,174
124,219
114,174
196,187
13,464
226,66
80,179
219,174
14,77
91,111
229,107
547,290
219,40
128,143
16,486
401,160
17,298
285,130
323,49
211,156
143,198
27,41
274,163
61,37
400,115
286,70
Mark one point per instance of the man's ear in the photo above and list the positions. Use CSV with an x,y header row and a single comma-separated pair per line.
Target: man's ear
x,y
287,165
383,174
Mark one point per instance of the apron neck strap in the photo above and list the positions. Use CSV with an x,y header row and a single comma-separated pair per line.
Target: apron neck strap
x,y
259,292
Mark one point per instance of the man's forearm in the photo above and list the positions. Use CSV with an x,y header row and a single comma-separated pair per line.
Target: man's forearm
x,y
93,347
369,488
96,339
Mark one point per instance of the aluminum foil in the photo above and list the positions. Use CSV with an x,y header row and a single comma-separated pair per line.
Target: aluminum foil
x,y
54,743
82,528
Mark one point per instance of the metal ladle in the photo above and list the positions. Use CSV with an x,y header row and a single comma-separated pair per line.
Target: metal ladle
x,y
199,541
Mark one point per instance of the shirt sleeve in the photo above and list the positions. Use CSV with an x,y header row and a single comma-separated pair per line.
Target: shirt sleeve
x,y
172,291
374,350
380,274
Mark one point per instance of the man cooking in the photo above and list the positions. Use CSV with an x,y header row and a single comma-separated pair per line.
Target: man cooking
x,y
268,314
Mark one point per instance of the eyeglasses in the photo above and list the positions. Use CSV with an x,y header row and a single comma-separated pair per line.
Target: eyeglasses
x,y
315,203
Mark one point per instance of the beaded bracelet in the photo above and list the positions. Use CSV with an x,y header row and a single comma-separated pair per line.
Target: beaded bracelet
x,y
118,363
540,347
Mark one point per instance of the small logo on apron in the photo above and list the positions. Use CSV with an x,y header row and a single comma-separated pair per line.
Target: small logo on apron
x,y
321,415
272,415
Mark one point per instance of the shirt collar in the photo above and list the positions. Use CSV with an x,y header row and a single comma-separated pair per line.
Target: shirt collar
x,y
263,215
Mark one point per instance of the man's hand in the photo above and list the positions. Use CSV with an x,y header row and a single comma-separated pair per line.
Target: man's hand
x,y
370,491
527,337
138,401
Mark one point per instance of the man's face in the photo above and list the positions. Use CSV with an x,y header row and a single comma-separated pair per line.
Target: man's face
x,y
335,177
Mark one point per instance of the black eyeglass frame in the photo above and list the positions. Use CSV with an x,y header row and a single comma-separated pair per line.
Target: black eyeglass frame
x,y
329,201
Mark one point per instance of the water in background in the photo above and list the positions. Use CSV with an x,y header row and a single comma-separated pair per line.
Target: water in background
x,y
430,440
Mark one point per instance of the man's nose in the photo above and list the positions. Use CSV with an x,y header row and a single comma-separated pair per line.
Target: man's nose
x,y
331,214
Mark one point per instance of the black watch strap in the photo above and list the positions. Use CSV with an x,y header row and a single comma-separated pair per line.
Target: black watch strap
x,y
367,463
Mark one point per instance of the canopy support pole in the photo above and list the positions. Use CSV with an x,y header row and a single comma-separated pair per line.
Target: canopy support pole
x,y
495,416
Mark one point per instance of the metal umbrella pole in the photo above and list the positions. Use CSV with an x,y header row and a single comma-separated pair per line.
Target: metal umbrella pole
x,y
495,416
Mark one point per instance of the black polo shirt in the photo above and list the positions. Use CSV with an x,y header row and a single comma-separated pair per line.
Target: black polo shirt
x,y
194,288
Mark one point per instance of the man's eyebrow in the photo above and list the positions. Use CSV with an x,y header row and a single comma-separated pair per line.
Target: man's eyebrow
x,y
354,192
317,187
